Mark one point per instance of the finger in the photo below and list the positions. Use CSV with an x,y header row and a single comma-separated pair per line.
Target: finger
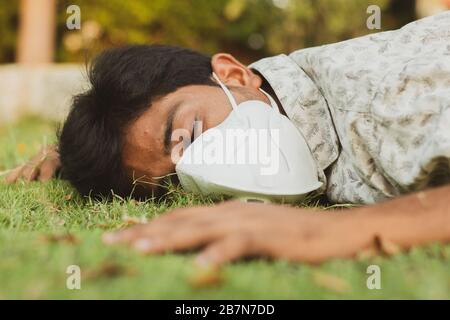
x,y
162,224
47,171
30,172
13,176
154,228
227,249
187,238
131,234
178,219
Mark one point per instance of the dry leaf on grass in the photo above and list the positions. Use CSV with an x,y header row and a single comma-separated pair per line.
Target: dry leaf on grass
x,y
60,222
59,238
129,221
206,277
108,226
331,282
108,269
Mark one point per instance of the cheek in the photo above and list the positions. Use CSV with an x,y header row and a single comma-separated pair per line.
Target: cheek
x,y
165,166
212,107
157,164
145,162
152,168
215,115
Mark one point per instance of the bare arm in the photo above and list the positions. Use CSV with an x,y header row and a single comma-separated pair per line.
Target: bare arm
x,y
234,230
412,220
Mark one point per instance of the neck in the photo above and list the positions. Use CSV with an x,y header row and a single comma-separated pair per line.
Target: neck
x,y
268,88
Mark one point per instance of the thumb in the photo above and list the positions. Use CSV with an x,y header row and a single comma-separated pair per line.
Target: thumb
x,y
226,249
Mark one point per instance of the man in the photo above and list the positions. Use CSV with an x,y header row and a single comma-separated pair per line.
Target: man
x,y
375,112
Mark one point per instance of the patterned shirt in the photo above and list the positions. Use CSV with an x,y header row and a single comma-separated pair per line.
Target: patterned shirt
x,y
375,110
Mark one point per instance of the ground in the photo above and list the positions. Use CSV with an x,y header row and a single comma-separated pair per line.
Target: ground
x,y
46,227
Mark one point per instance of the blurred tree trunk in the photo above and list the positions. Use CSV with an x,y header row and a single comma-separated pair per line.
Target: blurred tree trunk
x,y
36,43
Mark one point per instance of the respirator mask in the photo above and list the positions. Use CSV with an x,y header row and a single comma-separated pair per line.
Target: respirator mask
x,y
255,154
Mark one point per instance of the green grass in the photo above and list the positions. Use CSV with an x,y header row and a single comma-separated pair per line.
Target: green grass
x,y
34,266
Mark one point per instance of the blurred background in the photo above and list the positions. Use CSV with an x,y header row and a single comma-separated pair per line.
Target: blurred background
x,y
41,60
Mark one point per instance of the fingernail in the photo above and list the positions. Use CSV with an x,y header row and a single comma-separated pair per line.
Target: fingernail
x,y
110,237
143,245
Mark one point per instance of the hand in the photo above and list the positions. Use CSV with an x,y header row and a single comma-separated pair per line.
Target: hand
x,y
234,230
42,167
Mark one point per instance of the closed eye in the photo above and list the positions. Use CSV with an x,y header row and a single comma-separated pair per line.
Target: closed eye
x,y
193,134
169,127
194,128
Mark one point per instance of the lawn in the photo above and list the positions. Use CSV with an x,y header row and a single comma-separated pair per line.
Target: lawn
x,y
44,228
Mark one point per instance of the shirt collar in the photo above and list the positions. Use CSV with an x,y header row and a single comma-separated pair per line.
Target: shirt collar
x,y
304,104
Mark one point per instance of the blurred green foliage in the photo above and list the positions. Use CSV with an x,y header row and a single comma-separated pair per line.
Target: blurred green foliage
x,y
249,29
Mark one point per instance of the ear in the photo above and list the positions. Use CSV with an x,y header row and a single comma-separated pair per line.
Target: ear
x,y
234,73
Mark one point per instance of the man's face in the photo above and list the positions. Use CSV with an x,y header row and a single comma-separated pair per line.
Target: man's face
x,y
147,152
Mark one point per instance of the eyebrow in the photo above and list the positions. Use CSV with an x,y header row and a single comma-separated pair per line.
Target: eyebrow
x,y
169,127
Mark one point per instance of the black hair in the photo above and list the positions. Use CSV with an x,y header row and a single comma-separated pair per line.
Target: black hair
x,y
123,83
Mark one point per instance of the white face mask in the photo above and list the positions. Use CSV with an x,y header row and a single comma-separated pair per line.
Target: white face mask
x,y
255,154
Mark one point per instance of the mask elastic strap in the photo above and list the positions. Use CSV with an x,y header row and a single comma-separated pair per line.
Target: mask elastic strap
x,y
233,101
272,101
227,92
